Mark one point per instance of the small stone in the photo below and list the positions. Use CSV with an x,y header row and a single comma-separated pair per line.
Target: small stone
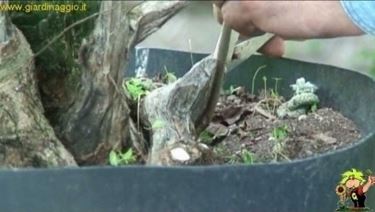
x,y
308,152
180,154
203,146
325,138
218,130
302,117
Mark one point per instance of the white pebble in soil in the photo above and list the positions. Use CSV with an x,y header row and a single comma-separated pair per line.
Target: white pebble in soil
x,y
302,117
203,146
180,154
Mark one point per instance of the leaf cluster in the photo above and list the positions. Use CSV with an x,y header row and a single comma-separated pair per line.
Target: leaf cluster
x,y
125,158
39,27
137,87
280,133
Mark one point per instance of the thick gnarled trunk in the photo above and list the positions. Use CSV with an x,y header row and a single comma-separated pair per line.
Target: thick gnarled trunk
x,y
179,106
26,138
99,120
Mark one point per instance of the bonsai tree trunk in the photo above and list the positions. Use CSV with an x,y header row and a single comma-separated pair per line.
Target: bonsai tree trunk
x,y
181,108
26,138
186,107
99,120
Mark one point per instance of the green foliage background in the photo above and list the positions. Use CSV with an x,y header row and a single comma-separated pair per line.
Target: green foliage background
x,y
41,27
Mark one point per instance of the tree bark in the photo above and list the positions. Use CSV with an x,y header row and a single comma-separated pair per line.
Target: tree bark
x,y
26,138
95,118
179,106
99,120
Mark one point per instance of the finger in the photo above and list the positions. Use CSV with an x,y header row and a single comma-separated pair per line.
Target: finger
x,y
235,17
219,3
217,13
246,37
274,47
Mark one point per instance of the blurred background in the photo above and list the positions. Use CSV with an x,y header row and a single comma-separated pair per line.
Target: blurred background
x,y
195,29
355,53
192,29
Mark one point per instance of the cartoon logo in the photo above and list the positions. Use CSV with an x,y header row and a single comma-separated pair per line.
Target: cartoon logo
x,y
353,186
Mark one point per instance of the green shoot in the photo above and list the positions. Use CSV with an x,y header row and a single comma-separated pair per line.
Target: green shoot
x,y
169,77
247,157
265,92
276,100
280,133
114,159
274,94
254,77
230,90
137,87
276,89
206,137
314,107
265,86
118,158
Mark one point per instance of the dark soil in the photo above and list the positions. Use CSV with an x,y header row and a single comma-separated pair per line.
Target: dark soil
x,y
246,130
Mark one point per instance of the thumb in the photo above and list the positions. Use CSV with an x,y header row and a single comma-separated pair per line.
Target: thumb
x,y
217,13
274,47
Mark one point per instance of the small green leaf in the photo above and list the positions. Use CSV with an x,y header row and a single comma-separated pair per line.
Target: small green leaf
x,y
231,89
314,107
274,94
247,157
127,154
117,159
137,87
114,160
170,77
280,133
128,157
206,137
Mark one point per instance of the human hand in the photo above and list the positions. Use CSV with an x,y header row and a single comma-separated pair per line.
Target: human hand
x,y
287,20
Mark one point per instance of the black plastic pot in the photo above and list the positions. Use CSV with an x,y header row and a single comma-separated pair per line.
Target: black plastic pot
x,y
304,185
